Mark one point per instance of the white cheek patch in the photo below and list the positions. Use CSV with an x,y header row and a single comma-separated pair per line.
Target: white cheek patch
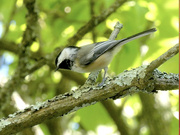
x,y
63,56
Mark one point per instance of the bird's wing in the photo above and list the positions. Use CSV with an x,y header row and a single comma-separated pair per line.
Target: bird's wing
x,y
96,50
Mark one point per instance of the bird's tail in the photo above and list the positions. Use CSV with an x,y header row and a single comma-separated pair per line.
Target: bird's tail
x,y
136,36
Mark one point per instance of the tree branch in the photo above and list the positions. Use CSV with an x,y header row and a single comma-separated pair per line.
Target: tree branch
x,y
9,46
163,58
120,86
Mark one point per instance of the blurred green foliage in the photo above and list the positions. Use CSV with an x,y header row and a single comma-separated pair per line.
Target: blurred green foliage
x,y
60,19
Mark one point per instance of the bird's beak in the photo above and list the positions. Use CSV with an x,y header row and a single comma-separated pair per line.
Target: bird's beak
x,y
56,69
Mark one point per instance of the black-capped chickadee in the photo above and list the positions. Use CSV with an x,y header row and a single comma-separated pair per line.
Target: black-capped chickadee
x,y
93,57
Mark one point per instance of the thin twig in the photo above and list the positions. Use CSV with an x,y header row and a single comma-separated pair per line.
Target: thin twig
x,y
163,58
116,31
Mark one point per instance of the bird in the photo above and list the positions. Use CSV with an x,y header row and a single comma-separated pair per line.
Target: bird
x,y
93,57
